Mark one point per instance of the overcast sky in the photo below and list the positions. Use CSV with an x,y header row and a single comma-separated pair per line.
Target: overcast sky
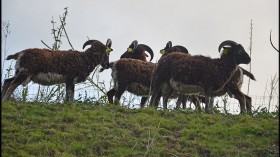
x,y
199,25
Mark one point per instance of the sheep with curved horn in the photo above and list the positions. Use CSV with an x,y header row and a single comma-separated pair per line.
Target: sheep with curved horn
x,y
130,72
49,67
134,75
183,73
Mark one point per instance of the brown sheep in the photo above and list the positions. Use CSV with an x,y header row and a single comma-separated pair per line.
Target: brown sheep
x,y
183,73
233,88
134,75
49,67
124,75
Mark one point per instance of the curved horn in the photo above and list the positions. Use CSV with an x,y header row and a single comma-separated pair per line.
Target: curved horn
x,y
227,42
181,49
148,49
109,43
89,42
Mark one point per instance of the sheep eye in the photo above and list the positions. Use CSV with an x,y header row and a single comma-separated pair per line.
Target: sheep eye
x,y
239,52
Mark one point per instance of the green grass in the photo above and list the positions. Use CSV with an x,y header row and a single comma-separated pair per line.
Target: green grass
x,y
37,129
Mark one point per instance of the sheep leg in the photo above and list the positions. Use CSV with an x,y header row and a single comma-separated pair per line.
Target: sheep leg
x,y
207,101
70,86
110,95
190,104
196,102
208,95
118,95
143,101
155,98
242,101
211,103
184,101
179,101
248,104
6,85
165,98
15,82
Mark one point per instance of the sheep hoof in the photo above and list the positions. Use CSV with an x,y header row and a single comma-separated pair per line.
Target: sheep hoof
x,y
209,111
117,101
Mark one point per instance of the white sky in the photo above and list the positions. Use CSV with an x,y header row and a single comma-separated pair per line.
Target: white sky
x,y
199,25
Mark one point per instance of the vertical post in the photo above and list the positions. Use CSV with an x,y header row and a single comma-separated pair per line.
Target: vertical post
x,y
250,50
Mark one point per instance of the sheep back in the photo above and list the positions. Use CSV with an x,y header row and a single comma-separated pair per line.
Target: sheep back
x,y
60,62
192,70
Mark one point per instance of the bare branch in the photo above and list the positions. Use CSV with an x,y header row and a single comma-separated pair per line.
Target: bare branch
x,y
271,42
46,44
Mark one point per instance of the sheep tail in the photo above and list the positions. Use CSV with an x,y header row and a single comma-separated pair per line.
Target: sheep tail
x,y
247,73
14,56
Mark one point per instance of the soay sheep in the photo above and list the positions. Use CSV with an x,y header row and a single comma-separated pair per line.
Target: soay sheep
x,y
233,89
137,51
182,98
183,73
124,72
134,75
49,67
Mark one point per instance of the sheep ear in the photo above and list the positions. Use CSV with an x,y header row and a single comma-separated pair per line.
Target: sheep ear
x,y
109,43
169,44
132,46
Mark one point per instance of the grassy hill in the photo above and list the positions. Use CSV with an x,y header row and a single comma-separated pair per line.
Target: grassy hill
x,y
37,129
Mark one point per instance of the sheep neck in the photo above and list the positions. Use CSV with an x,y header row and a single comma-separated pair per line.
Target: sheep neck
x,y
226,68
92,60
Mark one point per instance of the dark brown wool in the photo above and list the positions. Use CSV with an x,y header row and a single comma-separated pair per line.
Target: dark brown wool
x,y
173,66
202,73
48,67
133,75
133,71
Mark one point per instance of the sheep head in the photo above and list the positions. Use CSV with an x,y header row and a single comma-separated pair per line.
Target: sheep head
x,y
137,51
234,50
100,50
128,53
169,49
